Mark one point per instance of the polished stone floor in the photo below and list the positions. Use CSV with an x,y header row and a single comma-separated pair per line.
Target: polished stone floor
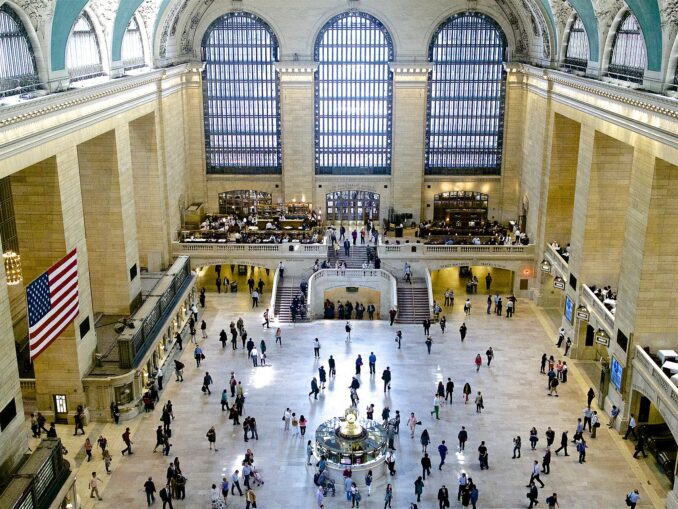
x,y
515,400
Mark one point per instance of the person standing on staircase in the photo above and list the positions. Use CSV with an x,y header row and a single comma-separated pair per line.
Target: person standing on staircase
x,y
342,232
281,269
347,248
354,235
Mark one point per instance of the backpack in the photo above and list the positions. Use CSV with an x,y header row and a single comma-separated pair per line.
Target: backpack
x,y
163,494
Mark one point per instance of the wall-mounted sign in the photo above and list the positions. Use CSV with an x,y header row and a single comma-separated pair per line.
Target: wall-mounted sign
x,y
602,338
569,309
559,282
616,372
583,313
545,265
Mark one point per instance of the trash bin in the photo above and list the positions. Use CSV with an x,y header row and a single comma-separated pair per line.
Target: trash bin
x,y
234,287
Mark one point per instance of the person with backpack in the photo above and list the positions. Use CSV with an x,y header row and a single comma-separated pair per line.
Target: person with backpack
x,y
632,498
348,329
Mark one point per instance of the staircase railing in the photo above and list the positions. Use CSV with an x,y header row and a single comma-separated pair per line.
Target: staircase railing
x,y
429,288
274,291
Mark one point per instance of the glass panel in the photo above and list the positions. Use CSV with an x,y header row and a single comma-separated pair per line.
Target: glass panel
x,y
17,64
83,58
629,56
353,97
577,53
352,206
465,113
132,47
241,96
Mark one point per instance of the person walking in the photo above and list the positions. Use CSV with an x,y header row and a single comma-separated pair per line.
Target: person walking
x,y
517,443
203,329
94,486
386,377
467,307
412,424
348,329
88,448
425,439
212,438
546,462
388,496
443,323
479,403
206,382
462,483
489,353
640,447
235,483
581,449
632,498
442,451
166,496
316,348
278,336
149,489
631,429
533,495
613,416
444,497
331,363
436,407
589,396
322,377
463,437
418,488
595,424
534,477
478,362
462,331
449,389
266,321
425,465
483,456
429,342
563,443
358,364
128,442
466,391
372,363
314,388
534,438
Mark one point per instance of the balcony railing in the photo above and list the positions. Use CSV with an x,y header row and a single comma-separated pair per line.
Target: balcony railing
x,y
558,264
595,306
454,251
666,390
217,250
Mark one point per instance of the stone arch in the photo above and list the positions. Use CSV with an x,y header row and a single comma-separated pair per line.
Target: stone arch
x,y
640,386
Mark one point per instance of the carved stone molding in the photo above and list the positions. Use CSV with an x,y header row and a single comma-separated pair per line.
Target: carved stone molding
x,y
105,11
38,11
561,12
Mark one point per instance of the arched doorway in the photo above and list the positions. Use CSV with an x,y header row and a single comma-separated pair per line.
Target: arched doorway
x,y
245,201
352,205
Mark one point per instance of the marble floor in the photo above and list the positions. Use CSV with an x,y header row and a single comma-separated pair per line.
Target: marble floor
x,y
515,400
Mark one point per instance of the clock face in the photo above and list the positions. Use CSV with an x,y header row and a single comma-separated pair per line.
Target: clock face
x,y
350,418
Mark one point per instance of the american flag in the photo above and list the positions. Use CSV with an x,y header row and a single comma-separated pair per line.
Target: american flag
x,y
52,303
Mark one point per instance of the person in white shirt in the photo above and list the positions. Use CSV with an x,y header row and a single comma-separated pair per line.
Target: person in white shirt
x,y
631,428
94,486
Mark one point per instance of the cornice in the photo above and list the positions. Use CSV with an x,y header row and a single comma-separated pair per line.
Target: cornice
x,y
662,105
53,103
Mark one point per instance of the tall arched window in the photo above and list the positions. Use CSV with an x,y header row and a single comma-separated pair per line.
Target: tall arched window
x,y
629,55
83,58
132,47
353,96
465,113
577,52
241,96
17,63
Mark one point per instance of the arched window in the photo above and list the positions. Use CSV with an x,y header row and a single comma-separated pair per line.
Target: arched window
x,y
83,58
353,96
465,113
629,56
132,47
241,96
17,63
577,52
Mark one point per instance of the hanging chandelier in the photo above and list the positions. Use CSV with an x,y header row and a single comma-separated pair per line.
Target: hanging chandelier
x,y
12,263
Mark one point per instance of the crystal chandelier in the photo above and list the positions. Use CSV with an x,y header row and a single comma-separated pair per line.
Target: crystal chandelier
x,y
12,263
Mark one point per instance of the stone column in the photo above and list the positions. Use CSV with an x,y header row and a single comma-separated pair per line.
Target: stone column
x,y
297,126
152,223
410,88
13,439
49,218
108,204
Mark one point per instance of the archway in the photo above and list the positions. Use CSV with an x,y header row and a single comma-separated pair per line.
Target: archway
x,y
352,205
457,279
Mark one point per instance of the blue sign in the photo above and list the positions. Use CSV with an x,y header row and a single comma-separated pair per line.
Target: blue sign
x,y
616,371
569,309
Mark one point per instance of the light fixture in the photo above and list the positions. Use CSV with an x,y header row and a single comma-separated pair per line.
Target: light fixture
x,y
559,282
602,337
583,313
545,265
12,263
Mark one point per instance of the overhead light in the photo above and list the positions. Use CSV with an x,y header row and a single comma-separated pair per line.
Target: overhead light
x,y
12,263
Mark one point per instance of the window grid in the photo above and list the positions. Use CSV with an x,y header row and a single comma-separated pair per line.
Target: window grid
x,y
465,108
17,64
629,56
132,47
577,52
353,97
241,97
83,58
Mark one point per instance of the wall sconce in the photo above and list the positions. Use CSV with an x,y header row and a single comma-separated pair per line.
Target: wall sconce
x,y
583,313
12,263
545,265
559,282
602,338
